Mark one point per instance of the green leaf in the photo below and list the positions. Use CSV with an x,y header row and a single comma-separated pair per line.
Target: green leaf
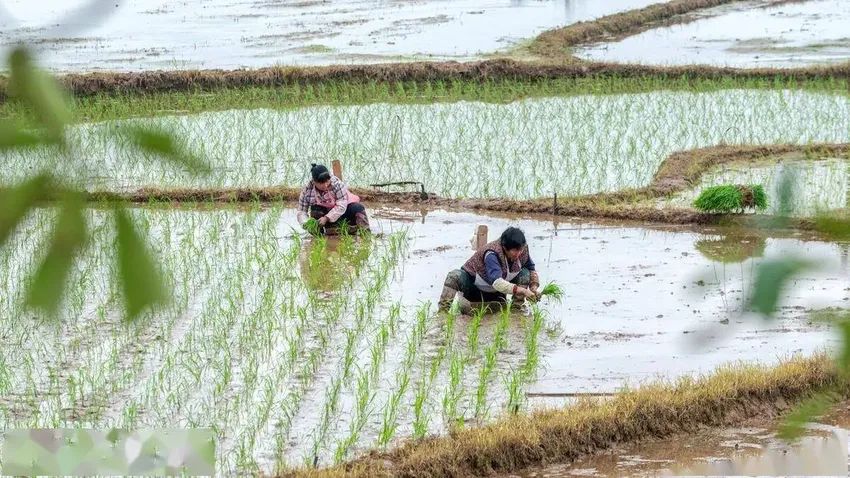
x,y
770,279
140,278
18,201
785,204
41,92
837,229
164,144
796,421
69,236
844,357
11,137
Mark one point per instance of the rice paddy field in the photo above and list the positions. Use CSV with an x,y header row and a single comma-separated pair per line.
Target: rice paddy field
x,y
303,351
567,146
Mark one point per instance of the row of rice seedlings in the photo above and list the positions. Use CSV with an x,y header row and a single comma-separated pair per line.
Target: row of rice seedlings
x,y
516,380
481,409
392,410
421,405
602,143
364,316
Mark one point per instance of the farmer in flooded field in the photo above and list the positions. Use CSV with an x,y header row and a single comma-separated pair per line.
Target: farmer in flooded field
x,y
501,267
327,199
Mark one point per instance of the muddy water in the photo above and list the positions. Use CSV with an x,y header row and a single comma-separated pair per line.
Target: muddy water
x,y
751,448
635,297
231,34
820,185
568,145
804,33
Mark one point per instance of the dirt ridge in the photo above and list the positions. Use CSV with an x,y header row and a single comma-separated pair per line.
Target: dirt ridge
x,y
91,84
678,172
558,41
514,443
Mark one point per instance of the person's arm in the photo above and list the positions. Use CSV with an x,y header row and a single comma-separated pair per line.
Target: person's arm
x,y
534,283
304,205
493,269
341,194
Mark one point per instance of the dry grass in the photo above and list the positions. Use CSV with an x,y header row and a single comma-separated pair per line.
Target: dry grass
x,y
558,42
733,393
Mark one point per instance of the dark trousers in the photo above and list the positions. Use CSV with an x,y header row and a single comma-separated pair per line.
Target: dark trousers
x,y
472,293
355,214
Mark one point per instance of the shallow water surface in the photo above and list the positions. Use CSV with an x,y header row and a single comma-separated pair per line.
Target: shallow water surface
x,y
296,350
812,32
229,34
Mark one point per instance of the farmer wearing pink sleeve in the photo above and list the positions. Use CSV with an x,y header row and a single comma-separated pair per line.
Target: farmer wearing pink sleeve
x,y
326,199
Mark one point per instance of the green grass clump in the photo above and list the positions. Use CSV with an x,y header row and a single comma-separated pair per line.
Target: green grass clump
x,y
730,197
553,290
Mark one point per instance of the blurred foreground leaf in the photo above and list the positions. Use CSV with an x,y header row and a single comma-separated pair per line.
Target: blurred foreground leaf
x,y
17,201
163,144
795,423
835,228
770,279
12,136
69,236
41,92
141,280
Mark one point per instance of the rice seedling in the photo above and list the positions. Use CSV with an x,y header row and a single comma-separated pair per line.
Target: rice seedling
x,y
552,290
729,198
624,135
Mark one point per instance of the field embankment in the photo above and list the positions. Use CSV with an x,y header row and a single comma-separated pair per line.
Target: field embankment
x,y
556,43
678,172
732,394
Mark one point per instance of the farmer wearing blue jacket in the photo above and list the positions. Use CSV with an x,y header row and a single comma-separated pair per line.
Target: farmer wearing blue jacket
x,y
500,268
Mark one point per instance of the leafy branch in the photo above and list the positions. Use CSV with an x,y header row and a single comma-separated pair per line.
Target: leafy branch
x,y
139,273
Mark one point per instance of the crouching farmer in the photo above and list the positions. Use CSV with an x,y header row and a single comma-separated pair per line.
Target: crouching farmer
x,y
327,199
499,268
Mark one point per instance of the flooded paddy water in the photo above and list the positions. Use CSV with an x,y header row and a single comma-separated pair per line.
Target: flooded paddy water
x,y
566,145
269,342
748,35
229,34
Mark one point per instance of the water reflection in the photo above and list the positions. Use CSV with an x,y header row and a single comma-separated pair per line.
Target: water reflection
x,y
811,456
732,248
326,263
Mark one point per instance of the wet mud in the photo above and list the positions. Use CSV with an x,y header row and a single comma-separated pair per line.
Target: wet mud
x,y
750,448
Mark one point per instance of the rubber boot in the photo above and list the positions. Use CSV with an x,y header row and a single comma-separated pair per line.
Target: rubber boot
x,y
447,297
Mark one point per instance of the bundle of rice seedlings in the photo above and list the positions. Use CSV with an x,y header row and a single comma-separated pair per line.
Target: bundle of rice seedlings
x,y
553,290
312,226
732,197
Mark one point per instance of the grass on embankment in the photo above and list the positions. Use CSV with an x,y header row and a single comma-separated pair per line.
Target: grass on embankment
x,y
132,104
733,393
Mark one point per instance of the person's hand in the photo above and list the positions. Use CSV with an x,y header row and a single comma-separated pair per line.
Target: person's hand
x,y
525,293
323,220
